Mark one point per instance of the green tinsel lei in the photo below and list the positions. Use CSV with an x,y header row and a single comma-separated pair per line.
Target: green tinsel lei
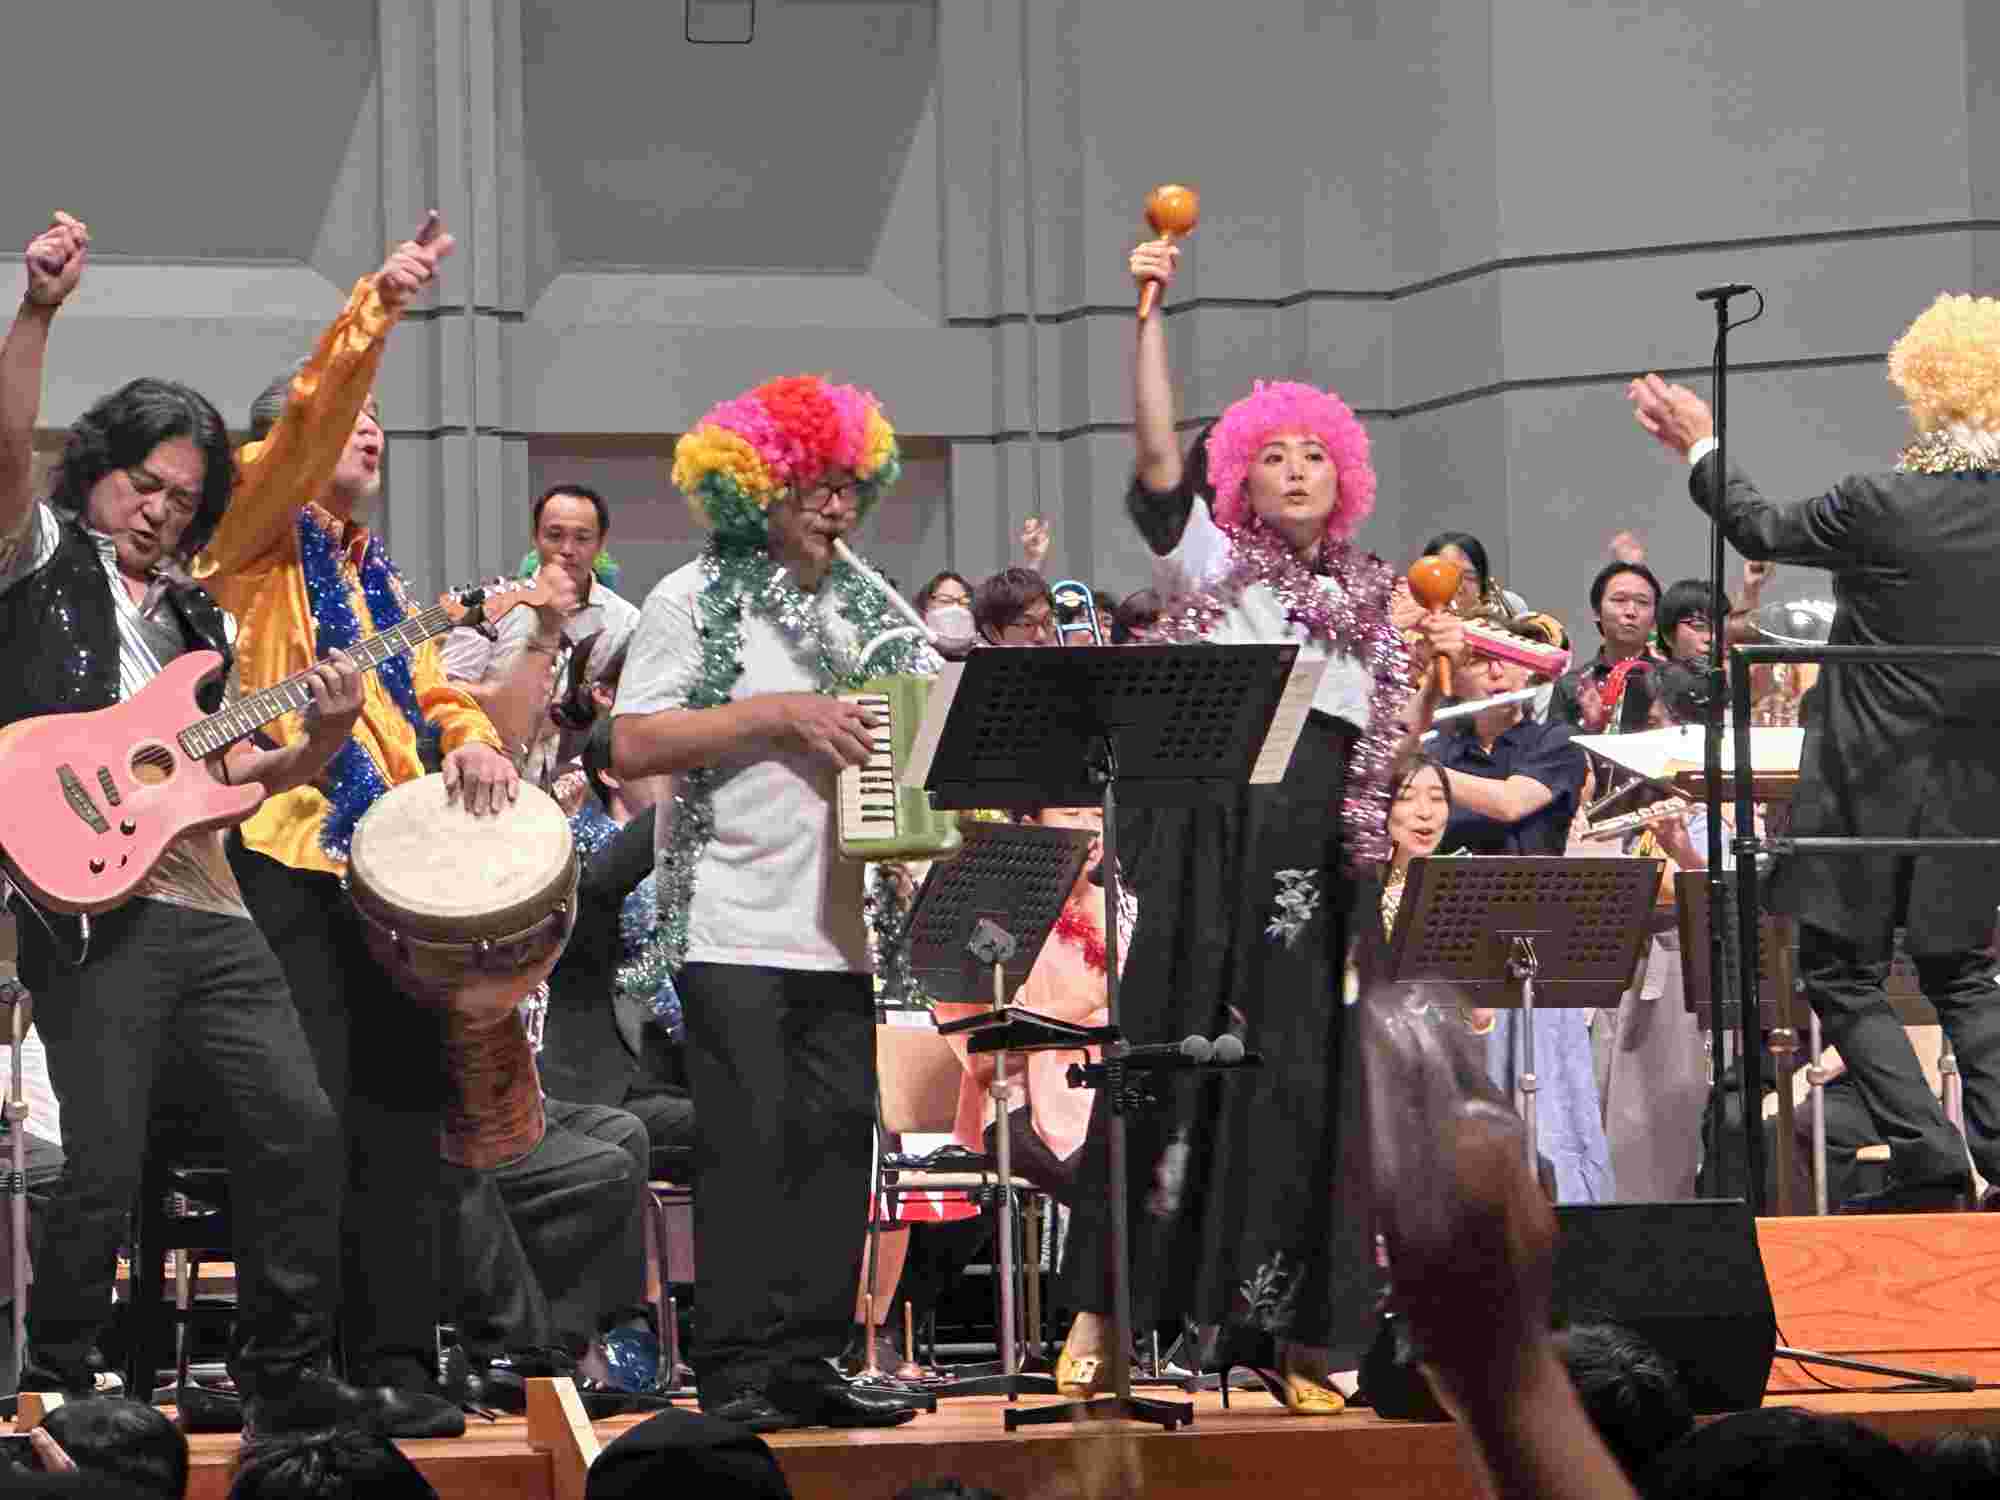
x,y
736,581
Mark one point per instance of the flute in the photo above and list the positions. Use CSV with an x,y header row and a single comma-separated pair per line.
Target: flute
x,y
1480,705
1657,812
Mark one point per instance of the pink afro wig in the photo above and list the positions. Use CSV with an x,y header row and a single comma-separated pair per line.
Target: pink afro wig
x,y
1278,408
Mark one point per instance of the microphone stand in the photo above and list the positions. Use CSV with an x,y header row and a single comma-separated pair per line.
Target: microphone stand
x,y
1718,698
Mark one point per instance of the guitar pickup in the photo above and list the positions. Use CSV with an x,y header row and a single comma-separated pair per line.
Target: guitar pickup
x,y
77,795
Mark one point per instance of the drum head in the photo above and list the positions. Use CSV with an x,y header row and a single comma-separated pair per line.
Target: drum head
x,y
428,868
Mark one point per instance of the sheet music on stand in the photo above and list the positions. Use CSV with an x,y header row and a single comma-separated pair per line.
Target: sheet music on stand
x,y
1524,931
978,925
1015,875
1025,715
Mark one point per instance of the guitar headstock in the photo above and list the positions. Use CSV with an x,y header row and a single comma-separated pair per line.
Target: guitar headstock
x,y
488,603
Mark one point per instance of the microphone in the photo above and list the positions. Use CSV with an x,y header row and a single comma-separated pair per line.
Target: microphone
x,y
1189,1052
1724,292
1228,1051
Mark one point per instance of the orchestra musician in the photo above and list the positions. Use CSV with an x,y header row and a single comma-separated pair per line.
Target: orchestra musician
x,y
177,982
1896,750
296,561
729,686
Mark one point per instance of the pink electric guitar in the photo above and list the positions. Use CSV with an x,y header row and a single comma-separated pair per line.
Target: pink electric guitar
x,y
91,800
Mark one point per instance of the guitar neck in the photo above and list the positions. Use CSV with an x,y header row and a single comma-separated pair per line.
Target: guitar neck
x,y
220,730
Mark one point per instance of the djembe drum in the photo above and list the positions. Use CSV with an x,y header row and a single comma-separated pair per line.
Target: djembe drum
x,y
470,914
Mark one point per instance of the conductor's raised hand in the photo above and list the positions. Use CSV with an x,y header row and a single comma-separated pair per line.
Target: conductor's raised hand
x,y
1673,414
412,265
1156,260
55,260
837,732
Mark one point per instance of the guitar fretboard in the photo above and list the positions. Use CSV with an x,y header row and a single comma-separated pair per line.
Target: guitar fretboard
x,y
219,730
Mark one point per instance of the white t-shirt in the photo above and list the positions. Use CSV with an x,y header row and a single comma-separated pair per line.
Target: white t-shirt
x,y
769,888
1199,562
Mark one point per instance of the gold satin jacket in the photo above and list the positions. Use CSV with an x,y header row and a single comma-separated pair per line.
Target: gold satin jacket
x,y
253,567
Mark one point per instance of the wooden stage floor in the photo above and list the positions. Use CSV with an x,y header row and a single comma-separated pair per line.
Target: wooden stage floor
x,y
1921,1291
1253,1449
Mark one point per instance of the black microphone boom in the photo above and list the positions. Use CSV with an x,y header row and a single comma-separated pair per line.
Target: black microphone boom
x,y
1724,292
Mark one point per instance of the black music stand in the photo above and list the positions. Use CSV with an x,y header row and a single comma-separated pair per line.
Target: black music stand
x,y
1525,930
1069,726
978,925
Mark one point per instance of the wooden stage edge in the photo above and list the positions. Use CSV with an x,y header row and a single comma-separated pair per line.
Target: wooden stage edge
x,y
1921,1291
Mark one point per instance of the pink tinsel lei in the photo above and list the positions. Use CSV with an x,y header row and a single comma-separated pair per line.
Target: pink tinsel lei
x,y
1352,619
1286,407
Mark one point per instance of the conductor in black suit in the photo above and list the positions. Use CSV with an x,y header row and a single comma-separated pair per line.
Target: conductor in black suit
x,y
1896,750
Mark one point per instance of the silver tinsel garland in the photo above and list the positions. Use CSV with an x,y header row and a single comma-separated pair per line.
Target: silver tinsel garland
x,y
735,582
1353,619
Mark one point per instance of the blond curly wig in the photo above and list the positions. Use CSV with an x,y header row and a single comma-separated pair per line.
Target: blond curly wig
x,y
1947,364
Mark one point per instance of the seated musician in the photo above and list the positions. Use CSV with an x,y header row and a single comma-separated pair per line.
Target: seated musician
x,y
1655,1083
1514,785
1624,605
1015,608
524,676
730,687
94,599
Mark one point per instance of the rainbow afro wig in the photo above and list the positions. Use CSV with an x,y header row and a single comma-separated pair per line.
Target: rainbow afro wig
x,y
782,438
1282,408
1947,364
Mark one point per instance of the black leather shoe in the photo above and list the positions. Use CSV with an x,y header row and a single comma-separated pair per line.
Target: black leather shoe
x,y
407,1403
1989,1201
750,1409
1931,1195
835,1403
502,1384
207,1408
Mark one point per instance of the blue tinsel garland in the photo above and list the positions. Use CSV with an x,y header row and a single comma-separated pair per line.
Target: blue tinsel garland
x,y
352,781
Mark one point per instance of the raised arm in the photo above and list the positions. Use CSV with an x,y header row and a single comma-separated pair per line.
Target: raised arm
x,y
293,465
1823,531
55,259
1159,456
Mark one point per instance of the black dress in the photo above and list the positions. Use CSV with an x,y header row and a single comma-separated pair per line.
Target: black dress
x,y
1247,1191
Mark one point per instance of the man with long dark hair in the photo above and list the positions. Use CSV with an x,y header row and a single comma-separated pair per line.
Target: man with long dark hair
x,y
93,602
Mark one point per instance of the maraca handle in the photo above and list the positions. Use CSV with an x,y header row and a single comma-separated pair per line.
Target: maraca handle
x,y
1148,295
1442,666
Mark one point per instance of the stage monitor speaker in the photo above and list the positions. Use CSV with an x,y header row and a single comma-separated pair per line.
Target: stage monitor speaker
x,y
1686,1277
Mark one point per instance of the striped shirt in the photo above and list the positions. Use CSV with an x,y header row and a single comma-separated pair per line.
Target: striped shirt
x,y
194,871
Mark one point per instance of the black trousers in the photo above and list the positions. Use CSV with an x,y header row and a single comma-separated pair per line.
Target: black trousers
x,y
183,1002
380,1056
1844,977
782,1064
550,1243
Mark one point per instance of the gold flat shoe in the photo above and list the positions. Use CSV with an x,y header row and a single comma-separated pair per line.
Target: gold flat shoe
x,y
1307,1397
1079,1375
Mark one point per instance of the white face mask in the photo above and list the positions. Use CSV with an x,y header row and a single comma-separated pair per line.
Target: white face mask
x,y
952,625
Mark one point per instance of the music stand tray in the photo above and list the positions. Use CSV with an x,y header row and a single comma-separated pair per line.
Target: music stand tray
x,y
1525,930
979,922
1072,726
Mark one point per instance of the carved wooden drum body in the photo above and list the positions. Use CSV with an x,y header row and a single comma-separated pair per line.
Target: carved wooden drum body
x,y
470,914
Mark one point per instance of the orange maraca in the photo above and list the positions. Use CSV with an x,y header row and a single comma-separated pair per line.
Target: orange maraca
x,y
1173,211
1434,584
